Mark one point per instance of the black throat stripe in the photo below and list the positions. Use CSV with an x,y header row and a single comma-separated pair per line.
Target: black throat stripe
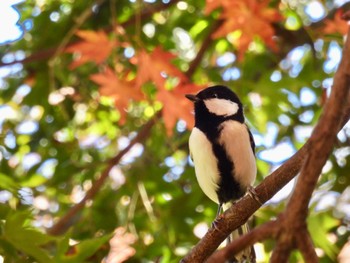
x,y
228,188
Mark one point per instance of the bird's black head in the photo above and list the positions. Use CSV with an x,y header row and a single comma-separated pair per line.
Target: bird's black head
x,y
216,104
219,92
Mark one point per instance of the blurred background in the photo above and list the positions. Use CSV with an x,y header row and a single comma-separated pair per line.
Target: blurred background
x,y
94,163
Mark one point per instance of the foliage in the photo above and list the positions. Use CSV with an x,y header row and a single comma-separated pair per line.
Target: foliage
x,y
92,75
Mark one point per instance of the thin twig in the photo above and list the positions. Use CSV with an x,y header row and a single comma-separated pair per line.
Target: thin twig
x,y
62,45
146,201
204,46
78,22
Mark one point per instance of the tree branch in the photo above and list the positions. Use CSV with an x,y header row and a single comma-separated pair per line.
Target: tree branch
x,y
321,145
306,247
260,233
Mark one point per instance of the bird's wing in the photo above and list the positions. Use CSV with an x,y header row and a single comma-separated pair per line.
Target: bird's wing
x,y
251,138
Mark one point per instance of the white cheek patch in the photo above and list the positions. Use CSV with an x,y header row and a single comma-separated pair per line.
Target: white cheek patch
x,y
221,107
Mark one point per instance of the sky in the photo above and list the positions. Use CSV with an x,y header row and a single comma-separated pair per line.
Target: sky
x,y
10,29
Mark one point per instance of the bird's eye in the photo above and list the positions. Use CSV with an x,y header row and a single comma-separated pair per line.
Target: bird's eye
x,y
215,95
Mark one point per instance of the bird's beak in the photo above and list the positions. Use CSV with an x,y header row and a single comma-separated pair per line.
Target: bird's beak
x,y
192,97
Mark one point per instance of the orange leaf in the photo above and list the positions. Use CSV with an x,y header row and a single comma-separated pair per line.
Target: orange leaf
x,y
337,25
250,17
211,5
95,46
156,67
121,90
120,246
176,106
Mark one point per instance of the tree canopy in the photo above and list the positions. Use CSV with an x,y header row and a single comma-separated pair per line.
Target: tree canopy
x,y
94,162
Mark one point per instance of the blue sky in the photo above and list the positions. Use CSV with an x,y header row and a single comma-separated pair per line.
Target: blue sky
x,y
10,28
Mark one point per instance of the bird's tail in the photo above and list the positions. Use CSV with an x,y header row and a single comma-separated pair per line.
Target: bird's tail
x,y
248,254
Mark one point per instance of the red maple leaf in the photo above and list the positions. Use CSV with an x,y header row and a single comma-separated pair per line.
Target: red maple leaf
x,y
336,25
157,67
94,46
176,106
251,18
122,91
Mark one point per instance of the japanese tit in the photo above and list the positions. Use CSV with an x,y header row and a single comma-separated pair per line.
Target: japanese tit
x,y
222,147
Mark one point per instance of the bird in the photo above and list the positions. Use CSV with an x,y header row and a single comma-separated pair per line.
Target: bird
x,y
222,149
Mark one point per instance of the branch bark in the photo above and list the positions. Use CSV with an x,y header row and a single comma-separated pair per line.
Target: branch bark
x,y
266,231
321,145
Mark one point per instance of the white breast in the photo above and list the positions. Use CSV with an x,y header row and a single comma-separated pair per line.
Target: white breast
x,y
205,164
235,139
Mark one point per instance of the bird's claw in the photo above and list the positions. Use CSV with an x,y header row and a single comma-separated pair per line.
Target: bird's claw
x,y
216,221
252,193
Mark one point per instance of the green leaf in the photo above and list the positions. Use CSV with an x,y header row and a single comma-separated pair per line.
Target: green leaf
x,y
25,239
34,181
4,210
7,183
7,249
198,28
62,246
83,250
319,225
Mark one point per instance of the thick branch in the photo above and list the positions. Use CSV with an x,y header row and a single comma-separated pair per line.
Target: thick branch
x,y
323,137
263,232
321,145
306,247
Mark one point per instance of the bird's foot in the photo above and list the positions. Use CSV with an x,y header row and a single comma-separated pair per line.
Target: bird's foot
x,y
251,191
216,221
